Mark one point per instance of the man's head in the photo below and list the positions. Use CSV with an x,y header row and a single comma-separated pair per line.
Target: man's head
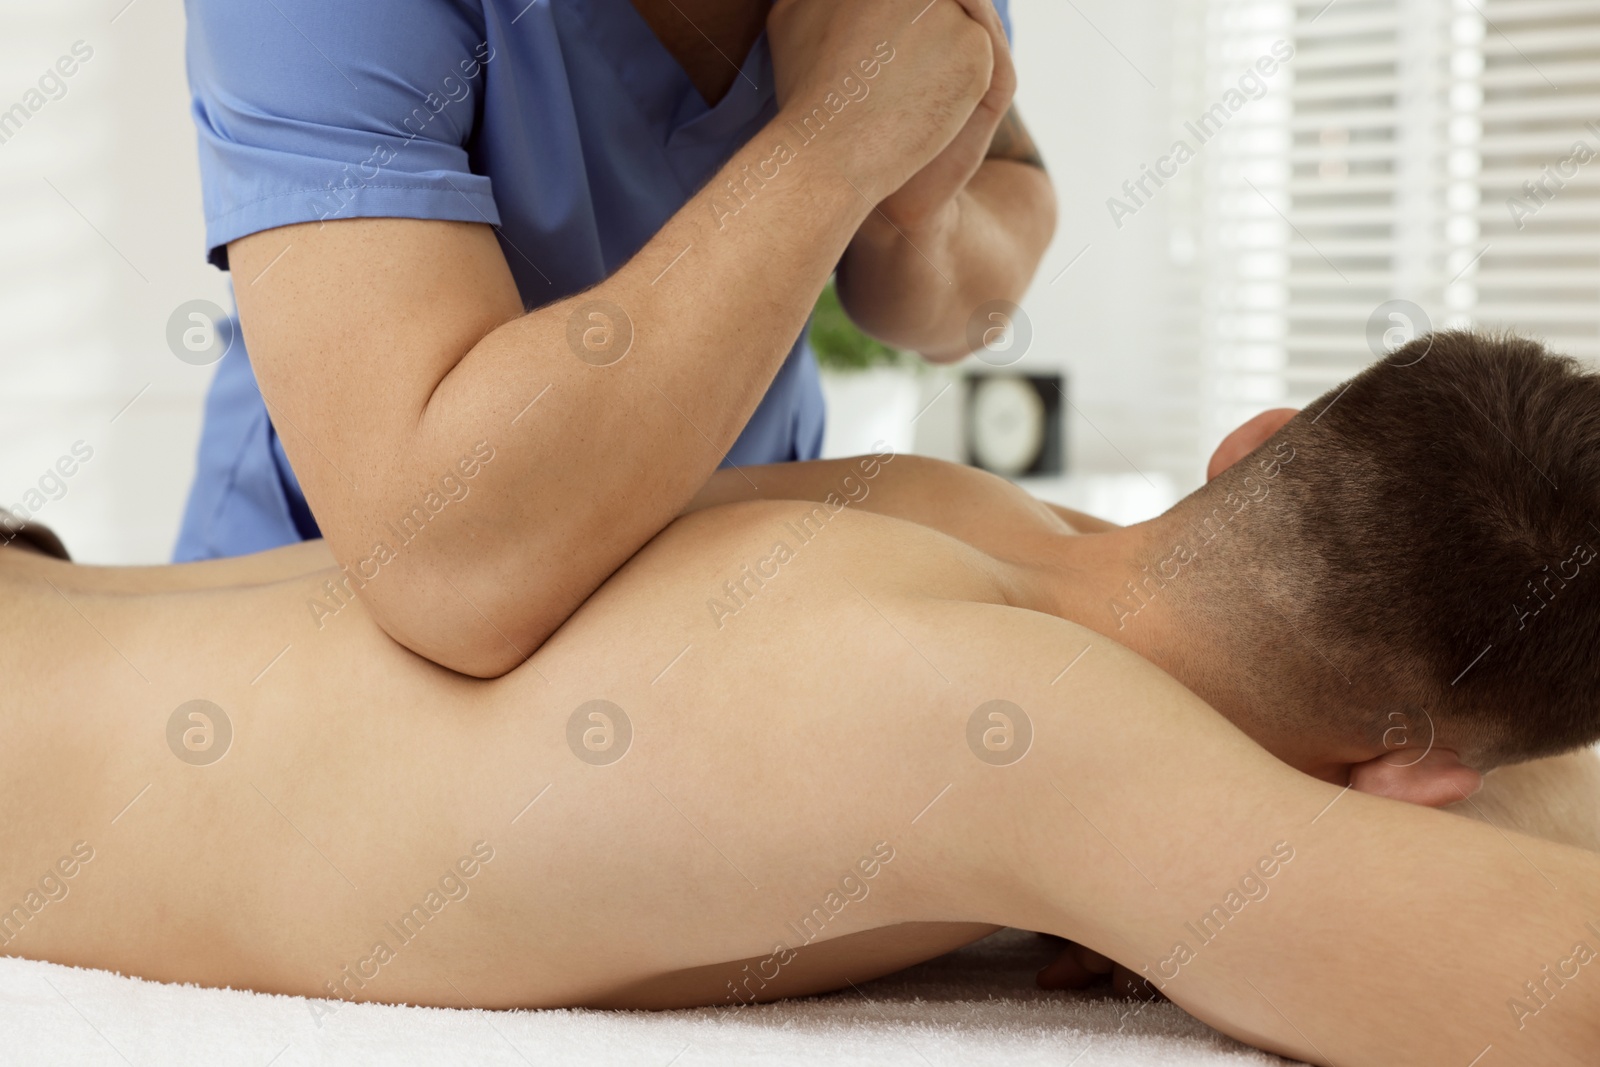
x,y
1405,577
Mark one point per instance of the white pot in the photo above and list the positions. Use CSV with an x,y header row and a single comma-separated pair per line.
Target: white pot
x,y
868,410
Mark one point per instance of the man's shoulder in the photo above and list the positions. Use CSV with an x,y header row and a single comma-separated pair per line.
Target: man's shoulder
x,y
1044,654
841,535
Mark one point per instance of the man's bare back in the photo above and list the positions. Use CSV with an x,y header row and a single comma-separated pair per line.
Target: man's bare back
x,y
355,768
799,801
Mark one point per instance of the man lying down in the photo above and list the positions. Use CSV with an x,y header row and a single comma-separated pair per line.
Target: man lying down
x,y
791,745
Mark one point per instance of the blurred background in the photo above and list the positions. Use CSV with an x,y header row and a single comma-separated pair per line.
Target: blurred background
x,y
1412,162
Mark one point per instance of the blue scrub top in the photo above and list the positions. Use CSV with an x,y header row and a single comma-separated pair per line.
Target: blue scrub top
x,y
563,123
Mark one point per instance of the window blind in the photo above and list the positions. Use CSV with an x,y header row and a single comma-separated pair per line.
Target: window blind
x,y
1538,149
1441,152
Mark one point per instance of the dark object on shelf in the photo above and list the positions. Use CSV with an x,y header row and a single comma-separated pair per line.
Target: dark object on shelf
x,y
1015,424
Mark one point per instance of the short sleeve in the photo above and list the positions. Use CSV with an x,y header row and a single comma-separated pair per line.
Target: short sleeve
x,y
310,110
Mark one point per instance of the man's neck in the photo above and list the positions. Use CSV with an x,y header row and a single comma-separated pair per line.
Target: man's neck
x,y
1119,585
1132,586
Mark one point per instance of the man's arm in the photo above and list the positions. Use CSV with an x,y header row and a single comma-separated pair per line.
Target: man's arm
x,y
1374,932
392,352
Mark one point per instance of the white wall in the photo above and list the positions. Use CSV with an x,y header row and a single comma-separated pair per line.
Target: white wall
x,y
100,214
91,269
1096,93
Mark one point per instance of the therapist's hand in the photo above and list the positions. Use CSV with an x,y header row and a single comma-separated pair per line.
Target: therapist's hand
x,y
961,238
930,195
910,75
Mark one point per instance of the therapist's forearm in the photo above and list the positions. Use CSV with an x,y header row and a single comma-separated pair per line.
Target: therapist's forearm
x,y
588,449
918,290
610,454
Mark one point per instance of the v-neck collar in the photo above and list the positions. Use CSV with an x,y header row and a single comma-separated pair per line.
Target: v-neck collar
x,y
660,88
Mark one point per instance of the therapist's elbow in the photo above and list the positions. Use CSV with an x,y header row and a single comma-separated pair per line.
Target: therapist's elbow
x,y
467,615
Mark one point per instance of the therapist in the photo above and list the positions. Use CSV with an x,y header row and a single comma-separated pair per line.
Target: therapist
x,y
667,184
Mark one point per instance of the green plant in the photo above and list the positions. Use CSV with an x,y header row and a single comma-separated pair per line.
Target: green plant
x,y
840,346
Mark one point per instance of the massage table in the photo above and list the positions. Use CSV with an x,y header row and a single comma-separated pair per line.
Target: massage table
x,y
977,1005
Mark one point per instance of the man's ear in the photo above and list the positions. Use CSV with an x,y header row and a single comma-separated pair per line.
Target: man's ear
x,y
1435,779
1246,439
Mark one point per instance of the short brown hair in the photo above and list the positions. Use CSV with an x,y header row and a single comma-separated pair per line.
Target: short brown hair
x,y
1435,537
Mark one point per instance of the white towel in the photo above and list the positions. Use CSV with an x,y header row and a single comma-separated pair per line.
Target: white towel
x,y
977,1005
